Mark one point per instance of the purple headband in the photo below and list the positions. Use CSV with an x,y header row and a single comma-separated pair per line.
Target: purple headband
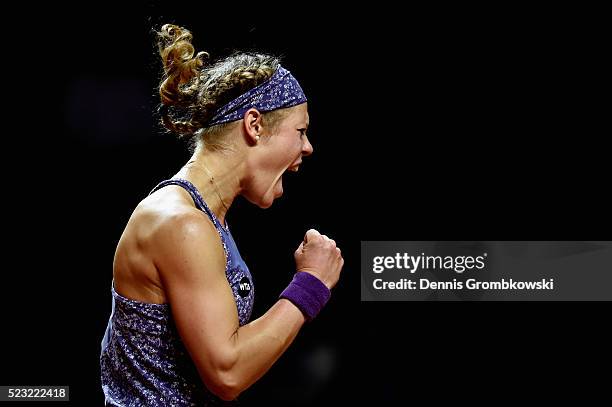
x,y
281,90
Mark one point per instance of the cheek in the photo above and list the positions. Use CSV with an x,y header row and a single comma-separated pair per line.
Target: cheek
x,y
293,148
283,154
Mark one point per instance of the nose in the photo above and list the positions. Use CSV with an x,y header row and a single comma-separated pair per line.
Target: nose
x,y
307,148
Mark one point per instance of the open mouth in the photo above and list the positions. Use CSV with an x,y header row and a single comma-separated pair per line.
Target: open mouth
x,y
294,168
279,183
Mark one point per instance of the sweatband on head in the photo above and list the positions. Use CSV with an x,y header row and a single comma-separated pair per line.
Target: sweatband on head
x,y
308,293
281,90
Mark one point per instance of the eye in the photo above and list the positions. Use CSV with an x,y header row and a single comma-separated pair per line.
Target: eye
x,y
302,132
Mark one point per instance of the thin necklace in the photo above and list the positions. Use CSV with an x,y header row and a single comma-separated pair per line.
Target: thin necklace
x,y
212,181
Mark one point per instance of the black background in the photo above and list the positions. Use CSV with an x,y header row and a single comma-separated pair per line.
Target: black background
x,y
436,123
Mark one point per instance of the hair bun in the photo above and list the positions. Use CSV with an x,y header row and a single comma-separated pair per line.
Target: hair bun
x,y
181,67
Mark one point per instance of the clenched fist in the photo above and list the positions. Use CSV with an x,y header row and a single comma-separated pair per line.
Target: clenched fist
x,y
319,256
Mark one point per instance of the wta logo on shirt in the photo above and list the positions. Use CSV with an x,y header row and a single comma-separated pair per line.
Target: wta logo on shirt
x,y
244,287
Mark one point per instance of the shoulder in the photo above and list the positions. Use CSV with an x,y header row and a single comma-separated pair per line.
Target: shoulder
x,y
178,235
184,227
170,210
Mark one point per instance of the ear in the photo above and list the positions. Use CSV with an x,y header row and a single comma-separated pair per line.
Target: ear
x,y
253,127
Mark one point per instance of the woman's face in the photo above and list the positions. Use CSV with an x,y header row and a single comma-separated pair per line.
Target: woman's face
x,y
280,150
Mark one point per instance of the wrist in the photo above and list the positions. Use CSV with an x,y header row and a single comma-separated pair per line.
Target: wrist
x,y
308,293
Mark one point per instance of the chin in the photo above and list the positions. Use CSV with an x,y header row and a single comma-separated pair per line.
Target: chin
x,y
264,202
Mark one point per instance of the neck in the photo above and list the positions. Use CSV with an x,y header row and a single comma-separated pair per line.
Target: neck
x,y
217,177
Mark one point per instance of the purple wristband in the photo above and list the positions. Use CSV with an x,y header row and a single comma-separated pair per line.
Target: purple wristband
x,y
308,293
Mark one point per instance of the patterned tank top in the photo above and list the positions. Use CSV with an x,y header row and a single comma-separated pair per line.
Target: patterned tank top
x,y
143,361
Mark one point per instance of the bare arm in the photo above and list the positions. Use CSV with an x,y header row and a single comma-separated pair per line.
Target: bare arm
x,y
229,358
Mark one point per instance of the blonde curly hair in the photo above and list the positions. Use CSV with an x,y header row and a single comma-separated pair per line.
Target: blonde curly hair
x,y
192,91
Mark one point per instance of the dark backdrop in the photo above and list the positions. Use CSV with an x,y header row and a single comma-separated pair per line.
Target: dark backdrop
x,y
428,124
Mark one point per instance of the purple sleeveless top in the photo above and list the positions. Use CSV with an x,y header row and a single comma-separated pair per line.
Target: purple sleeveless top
x,y
143,361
